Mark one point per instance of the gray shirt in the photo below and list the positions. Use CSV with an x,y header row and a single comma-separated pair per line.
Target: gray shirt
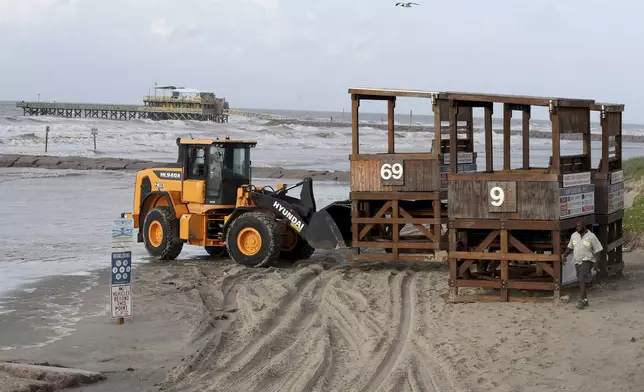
x,y
584,247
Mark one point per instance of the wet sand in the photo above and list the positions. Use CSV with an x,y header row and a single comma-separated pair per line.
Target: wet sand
x,y
84,163
207,325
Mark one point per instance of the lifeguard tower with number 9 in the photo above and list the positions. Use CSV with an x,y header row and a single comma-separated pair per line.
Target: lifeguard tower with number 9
x,y
509,226
398,198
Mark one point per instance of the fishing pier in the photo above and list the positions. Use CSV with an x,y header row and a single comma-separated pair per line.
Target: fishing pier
x,y
182,104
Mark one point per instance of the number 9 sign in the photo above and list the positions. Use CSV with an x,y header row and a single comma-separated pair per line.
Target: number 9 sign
x,y
502,196
497,195
392,172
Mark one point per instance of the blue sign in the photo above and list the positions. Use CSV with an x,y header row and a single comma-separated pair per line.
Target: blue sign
x,y
121,267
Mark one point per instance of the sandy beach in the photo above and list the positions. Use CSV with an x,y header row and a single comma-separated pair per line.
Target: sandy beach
x,y
319,326
203,324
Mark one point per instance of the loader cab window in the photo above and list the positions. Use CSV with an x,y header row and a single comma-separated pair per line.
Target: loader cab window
x,y
196,163
228,169
235,162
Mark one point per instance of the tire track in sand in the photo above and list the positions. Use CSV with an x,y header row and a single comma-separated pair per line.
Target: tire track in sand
x,y
270,325
195,365
388,363
302,312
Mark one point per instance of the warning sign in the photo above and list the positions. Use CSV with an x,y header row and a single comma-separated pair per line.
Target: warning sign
x,y
121,299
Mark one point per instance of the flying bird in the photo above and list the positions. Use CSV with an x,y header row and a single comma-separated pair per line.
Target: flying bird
x,y
406,5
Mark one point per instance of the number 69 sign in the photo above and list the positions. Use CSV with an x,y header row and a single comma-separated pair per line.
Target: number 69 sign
x,y
501,196
392,172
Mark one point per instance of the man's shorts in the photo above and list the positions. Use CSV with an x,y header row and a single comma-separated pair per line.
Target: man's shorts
x,y
584,271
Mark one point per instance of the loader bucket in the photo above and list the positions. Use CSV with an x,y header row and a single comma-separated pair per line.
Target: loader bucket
x,y
330,227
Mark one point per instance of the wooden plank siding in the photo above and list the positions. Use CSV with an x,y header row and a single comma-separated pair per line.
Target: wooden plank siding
x,y
420,175
535,200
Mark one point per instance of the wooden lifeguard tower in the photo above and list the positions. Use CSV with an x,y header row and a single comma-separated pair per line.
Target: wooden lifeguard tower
x,y
392,190
508,228
609,191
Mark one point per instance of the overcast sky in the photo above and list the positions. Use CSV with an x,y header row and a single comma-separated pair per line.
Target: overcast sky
x,y
304,54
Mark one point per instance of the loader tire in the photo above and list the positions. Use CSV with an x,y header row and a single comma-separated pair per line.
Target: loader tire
x,y
217,251
294,247
254,239
161,234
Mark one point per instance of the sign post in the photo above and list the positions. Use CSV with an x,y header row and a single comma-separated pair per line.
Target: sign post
x,y
121,269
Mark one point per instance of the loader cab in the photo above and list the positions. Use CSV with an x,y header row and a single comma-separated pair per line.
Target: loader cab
x,y
213,170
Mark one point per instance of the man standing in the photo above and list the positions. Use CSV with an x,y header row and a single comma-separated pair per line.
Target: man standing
x,y
584,246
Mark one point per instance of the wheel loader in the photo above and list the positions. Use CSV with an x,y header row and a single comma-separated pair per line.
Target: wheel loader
x,y
207,199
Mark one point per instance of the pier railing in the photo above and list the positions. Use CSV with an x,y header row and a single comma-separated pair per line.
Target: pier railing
x,y
169,109
162,98
117,112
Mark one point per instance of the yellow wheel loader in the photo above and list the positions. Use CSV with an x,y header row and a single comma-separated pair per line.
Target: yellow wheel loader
x,y
207,199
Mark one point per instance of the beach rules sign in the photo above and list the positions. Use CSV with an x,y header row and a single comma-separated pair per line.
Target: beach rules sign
x,y
121,269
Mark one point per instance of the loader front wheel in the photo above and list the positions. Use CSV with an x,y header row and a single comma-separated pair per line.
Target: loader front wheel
x,y
160,234
254,239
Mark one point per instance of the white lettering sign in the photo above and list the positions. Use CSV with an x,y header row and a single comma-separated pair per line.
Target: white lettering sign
x,y
576,179
497,196
615,197
616,177
461,157
389,171
121,301
576,201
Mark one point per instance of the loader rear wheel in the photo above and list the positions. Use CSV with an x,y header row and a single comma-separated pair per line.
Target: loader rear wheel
x,y
294,247
160,234
254,239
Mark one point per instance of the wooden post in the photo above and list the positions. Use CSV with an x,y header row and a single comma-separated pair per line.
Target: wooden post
x,y
436,109
355,104
556,266
507,118
602,257
94,134
453,136
556,140
470,129
603,168
526,139
587,142
505,293
453,266
618,140
410,120
489,157
46,137
390,124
